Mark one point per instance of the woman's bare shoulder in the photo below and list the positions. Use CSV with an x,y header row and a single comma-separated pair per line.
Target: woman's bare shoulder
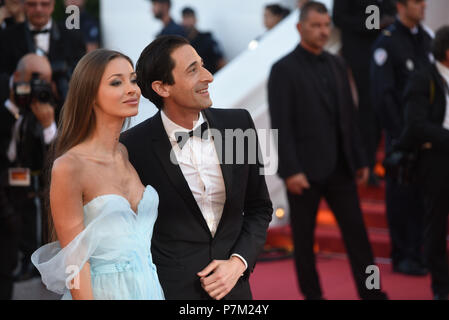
x,y
68,165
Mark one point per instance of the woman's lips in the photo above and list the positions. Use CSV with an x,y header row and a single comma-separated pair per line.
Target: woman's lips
x,y
132,101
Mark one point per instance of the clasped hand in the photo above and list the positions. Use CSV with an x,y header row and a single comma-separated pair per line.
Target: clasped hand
x,y
220,276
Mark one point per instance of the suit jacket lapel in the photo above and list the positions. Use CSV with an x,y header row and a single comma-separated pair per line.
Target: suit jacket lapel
x,y
162,149
439,79
54,38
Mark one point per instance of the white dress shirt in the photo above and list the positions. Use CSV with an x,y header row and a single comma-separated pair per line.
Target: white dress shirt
x,y
199,163
444,71
42,40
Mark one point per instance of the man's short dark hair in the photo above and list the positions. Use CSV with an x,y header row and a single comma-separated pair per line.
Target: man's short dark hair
x,y
278,10
440,44
311,6
162,1
404,2
156,64
187,11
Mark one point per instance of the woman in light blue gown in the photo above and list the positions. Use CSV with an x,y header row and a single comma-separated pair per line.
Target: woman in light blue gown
x,y
102,217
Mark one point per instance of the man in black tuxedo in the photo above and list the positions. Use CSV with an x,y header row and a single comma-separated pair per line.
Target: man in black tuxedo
x,y
427,128
40,34
213,211
320,153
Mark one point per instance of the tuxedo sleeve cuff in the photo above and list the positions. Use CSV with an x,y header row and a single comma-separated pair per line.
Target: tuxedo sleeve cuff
x,y
241,258
50,133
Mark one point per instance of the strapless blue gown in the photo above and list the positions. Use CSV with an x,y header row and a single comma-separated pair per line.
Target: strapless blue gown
x,y
116,241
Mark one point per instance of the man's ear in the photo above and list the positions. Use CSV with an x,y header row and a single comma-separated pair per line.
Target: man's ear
x,y
447,55
299,27
15,76
160,88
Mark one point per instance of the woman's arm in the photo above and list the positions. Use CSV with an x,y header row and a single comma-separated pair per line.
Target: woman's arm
x,y
67,211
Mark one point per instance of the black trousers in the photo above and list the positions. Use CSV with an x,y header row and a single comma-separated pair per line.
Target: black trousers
x,y
340,192
435,239
405,214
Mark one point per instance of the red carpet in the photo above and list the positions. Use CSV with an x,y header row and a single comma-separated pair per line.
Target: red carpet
x,y
277,281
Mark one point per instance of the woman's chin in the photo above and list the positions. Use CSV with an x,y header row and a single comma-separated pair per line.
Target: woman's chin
x,y
131,113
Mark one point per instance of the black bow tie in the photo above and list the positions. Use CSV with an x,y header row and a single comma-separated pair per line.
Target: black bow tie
x,y
35,32
200,132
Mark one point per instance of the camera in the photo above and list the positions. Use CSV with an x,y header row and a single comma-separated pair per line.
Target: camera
x,y
26,92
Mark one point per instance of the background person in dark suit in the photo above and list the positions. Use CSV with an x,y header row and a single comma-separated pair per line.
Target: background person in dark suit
x,y
11,12
357,41
161,11
41,35
320,153
427,127
89,25
213,215
203,42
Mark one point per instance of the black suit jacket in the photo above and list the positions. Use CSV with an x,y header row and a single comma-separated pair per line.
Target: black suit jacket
x,y
182,244
16,41
308,132
7,121
424,115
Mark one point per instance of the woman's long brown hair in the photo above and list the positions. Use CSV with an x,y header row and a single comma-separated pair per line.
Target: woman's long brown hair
x,y
77,118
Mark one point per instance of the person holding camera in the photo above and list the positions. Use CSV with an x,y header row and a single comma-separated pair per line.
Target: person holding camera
x,y
427,129
41,35
27,128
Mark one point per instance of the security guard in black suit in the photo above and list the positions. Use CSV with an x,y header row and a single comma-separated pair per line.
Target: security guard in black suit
x,y
403,48
320,153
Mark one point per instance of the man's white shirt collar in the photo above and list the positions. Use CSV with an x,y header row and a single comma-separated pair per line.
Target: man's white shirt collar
x,y
171,127
443,70
12,108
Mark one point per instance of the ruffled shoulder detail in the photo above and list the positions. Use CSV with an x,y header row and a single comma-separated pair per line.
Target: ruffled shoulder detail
x,y
103,239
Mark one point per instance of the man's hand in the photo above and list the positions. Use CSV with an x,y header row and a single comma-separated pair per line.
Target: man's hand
x,y
220,276
297,183
362,176
44,112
